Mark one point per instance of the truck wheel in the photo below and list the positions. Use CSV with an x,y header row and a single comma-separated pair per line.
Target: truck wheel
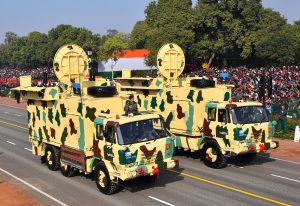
x,y
103,181
212,155
67,170
52,157
246,158
148,179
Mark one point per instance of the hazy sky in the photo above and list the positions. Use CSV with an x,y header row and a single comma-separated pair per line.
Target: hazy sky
x,y
24,16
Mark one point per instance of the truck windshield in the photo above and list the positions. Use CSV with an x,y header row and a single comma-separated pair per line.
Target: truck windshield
x,y
141,131
249,114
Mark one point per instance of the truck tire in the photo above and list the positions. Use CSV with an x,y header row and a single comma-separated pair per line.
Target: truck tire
x,y
202,83
103,181
67,170
148,179
212,155
245,158
105,91
52,157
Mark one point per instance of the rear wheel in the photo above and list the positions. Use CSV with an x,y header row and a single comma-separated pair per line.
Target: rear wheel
x,y
246,158
67,170
52,156
212,155
103,181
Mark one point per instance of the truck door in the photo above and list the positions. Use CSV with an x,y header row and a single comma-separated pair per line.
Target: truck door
x,y
105,140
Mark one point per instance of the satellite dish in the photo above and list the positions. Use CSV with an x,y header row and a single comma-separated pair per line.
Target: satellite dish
x,y
70,64
170,61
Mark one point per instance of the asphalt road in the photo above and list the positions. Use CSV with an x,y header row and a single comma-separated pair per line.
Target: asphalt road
x,y
265,182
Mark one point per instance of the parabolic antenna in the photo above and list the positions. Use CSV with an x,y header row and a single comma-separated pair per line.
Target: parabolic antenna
x,y
70,64
170,61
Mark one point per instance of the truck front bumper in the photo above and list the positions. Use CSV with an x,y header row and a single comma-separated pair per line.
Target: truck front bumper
x,y
145,170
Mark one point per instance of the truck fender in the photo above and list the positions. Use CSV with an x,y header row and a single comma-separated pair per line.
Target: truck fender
x,y
109,166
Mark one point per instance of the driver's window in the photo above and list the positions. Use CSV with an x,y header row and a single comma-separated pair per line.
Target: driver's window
x,y
99,131
110,134
211,116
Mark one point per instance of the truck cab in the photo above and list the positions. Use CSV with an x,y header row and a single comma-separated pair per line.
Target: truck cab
x,y
242,129
127,147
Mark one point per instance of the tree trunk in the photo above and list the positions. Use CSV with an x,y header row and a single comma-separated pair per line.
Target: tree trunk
x,y
211,59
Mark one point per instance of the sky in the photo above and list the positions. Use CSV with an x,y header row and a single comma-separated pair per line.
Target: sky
x,y
24,16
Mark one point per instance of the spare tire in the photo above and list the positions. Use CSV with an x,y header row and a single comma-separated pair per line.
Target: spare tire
x,y
202,83
105,91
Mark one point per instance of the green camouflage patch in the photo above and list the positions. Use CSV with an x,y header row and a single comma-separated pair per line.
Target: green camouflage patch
x,y
190,121
221,132
199,97
139,100
169,119
226,96
64,136
158,83
63,110
79,108
125,158
81,134
190,96
146,104
53,92
178,142
169,97
50,115
160,161
40,134
169,151
240,135
57,118
90,113
153,102
44,117
38,113
46,133
162,106
108,153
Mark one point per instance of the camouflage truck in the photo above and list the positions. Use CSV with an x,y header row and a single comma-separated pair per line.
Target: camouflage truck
x,y
199,112
80,126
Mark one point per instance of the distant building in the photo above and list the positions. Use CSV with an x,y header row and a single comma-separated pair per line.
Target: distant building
x,y
129,59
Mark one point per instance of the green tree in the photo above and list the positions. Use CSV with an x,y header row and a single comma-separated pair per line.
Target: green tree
x,y
273,43
166,21
112,48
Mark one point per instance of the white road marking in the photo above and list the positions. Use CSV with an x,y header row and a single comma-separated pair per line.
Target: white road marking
x,y
11,143
274,158
28,149
34,188
6,112
285,178
18,115
161,201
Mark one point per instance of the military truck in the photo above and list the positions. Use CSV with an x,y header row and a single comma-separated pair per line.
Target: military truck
x,y
200,113
79,126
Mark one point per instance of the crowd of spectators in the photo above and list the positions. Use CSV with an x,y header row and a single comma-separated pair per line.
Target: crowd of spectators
x,y
247,81
38,75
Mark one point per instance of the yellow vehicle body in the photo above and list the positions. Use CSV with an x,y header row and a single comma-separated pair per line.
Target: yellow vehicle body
x,y
193,107
89,131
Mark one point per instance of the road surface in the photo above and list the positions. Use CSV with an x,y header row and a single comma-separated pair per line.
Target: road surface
x,y
265,182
